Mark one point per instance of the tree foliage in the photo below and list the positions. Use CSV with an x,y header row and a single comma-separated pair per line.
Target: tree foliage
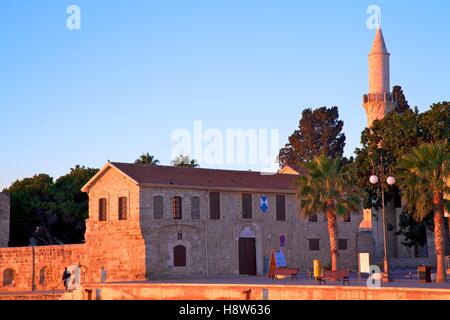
x,y
185,161
147,159
327,187
46,212
319,132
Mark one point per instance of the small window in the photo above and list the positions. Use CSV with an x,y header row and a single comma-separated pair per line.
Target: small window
x,y
313,218
195,208
214,205
42,274
158,207
176,208
123,208
247,205
348,217
314,244
179,256
102,209
281,208
343,244
179,236
8,277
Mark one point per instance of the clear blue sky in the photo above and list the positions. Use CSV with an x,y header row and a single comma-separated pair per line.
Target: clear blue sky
x,y
137,70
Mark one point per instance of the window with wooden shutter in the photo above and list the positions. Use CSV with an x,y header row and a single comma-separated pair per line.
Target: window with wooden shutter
x,y
313,218
102,209
176,208
214,205
158,207
343,244
348,217
247,206
281,207
123,208
179,256
314,244
195,208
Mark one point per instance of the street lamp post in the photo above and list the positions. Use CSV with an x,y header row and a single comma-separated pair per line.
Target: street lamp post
x,y
390,181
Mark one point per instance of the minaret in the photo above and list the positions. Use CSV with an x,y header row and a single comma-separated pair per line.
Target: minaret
x,y
379,101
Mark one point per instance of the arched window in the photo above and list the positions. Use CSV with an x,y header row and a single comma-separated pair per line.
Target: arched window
x,y
102,209
123,208
179,256
42,274
158,207
8,277
177,208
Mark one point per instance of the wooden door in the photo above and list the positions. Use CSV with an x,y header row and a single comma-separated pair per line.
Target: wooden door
x,y
247,256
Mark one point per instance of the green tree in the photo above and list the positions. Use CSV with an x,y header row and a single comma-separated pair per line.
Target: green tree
x,y
327,187
319,132
422,178
185,161
72,204
147,159
402,105
45,212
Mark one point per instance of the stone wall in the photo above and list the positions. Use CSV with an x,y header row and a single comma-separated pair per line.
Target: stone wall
x,y
115,247
40,268
212,245
4,219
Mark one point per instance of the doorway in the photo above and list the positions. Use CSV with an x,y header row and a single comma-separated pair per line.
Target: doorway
x,y
247,256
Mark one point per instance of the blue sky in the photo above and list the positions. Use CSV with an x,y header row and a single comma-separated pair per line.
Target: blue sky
x,y
138,70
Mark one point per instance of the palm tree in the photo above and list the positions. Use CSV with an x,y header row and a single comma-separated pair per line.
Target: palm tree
x,y
423,175
147,159
327,187
185,161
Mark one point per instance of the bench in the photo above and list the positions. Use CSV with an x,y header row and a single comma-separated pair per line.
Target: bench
x,y
343,275
284,272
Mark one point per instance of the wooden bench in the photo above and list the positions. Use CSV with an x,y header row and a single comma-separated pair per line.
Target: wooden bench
x,y
337,275
286,272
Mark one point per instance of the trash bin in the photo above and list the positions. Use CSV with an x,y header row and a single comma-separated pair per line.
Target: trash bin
x,y
317,269
424,274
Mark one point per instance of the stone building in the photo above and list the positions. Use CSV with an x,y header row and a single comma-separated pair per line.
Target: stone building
x,y
191,222
4,219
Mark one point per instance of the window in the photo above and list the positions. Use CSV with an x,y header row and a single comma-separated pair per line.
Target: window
x,y
343,244
313,218
281,208
179,236
176,208
314,244
348,217
214,205
246,205
158,207
179,256
8,277
123,208
195,208
42,273
102,209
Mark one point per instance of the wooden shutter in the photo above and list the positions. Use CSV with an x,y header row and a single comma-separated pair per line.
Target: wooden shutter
x,y
158,207
176,208
247,206
281,208
314,244
195,208
102,209
214,205
123,208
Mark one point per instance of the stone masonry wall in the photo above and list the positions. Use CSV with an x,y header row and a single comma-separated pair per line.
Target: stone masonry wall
x,y
4,219
212,245
40,268
114,247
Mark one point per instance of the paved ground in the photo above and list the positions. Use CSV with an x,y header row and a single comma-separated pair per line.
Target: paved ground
x,y
401,280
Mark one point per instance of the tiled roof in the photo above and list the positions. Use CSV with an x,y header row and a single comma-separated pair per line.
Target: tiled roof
x,y
205,178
